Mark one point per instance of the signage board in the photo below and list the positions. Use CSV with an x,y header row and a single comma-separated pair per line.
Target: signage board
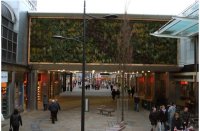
x,y
4,76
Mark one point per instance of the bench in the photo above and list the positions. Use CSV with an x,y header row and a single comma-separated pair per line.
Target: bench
x,y
100,108
108,111
103,109
118,127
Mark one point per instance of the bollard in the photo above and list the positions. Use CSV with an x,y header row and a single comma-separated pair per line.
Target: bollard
x,y
86,105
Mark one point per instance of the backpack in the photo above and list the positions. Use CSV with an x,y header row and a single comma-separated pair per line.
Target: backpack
x,y
15,120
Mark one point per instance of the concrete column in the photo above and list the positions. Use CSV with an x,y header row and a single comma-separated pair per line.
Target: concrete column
x,y
11,101
71,81
153,87
167,85
32,94
64,82
128,80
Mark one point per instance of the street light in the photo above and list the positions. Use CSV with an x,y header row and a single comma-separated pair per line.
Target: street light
x,y
83,59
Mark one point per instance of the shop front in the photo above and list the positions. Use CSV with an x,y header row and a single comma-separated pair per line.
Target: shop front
x,y
152,88
13,91
4,93
186,90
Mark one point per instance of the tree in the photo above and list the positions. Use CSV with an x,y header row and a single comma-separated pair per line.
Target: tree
x,y
124,54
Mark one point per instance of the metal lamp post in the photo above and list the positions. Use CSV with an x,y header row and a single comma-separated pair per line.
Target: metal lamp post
x,y
83,59
83,75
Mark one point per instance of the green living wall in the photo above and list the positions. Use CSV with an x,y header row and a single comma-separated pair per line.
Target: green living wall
x,y
101,41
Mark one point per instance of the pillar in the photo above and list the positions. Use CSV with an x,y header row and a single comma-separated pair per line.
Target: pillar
x,y
32,87
71,75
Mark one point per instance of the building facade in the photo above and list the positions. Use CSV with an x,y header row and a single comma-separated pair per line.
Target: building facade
x,y
14,32
184,85
33,63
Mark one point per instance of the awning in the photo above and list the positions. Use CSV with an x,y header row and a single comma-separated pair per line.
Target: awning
x,y
184,25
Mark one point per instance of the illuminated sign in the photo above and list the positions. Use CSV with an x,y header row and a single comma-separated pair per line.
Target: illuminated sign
x,y
183,82
4,76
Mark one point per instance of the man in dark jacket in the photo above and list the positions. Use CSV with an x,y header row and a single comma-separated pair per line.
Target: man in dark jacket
x,y
113,94
58,105
185,117
53,107
136,102
15,120
164,118
176,122
153,117
45,102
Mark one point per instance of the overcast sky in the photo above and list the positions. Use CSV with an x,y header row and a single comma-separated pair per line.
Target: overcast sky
x,y
165,7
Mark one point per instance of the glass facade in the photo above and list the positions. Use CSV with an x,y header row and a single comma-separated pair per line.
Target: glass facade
x,y
8,37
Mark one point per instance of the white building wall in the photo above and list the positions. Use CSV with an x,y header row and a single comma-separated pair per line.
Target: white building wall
x,y
186,51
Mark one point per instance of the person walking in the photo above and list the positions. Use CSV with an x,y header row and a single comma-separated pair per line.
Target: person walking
x,y
164,118
132,91
58,105
15,120
53,107
185,117
129,92
153,117
136,103
117,93
171,112
45,102
176,122
113,94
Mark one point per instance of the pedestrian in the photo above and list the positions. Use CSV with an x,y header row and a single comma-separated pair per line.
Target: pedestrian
x,y
185,117
132,91
153,117
176,122
129,92
113,94
15,120
164,118
111,87
136,102
118,93
58,105
45,102
53,107
171,112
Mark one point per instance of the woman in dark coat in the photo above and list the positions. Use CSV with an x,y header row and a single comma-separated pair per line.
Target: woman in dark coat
x,y
15,120
176,122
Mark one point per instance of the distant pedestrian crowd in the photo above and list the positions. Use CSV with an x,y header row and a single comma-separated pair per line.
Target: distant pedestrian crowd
x,y
168,119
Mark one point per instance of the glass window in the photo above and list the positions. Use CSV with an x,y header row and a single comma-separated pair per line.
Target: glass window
x,y
14,58
10,25
9,45
5,32
14,37
9,56
14,48
10,35
4,43
5,22
3,55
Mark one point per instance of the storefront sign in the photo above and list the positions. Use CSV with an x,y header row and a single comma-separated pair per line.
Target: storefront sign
x,y
4,76
183,82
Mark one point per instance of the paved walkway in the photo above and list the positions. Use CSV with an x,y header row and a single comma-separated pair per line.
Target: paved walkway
x,y
69,118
